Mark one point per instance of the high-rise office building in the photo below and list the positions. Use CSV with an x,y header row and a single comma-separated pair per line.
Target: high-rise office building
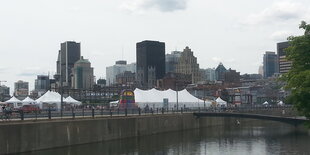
x,y
220,72
209,74
42,83
172,61
150,63
21,89
120,67
270,64
69,53
126,78
83,75
284,64
188,65
4,92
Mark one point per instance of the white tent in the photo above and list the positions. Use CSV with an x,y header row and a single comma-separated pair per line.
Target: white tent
x,y
154,98
14,102
221,102
114,103
280,103
28,101
70,100
265,103
50,99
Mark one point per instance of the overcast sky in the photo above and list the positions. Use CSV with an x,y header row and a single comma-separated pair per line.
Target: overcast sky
x,y
236,32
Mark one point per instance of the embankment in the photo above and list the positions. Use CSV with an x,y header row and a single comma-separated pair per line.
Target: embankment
x,y
30,136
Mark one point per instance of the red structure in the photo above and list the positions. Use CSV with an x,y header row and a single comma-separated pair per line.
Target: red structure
x,y
127,100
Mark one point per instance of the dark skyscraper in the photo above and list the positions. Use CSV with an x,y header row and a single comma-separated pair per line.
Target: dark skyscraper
x,y
284,65
69,53
150,63
220,72
270,64
42,83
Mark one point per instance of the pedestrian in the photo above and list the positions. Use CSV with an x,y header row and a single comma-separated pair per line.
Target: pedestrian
x,y
2,111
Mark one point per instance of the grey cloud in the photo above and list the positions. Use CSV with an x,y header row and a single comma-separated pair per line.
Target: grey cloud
x,y
286,15
167,5
280,35
31,71
161,5
277,12
27,74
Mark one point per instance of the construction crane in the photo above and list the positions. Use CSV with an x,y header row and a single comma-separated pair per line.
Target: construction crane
x,y
2,81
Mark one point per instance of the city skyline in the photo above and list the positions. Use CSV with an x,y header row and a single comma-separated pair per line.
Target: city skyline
x,y
214,37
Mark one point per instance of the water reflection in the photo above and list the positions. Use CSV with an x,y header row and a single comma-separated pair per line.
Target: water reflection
x,y
257,138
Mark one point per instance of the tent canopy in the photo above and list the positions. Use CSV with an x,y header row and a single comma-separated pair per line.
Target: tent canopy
x,y
219,101
71,100
115,102
50,98
28,100
154,98
13,100
265,103
280,103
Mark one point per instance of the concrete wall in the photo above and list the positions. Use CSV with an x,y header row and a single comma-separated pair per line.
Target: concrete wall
x,y
30,136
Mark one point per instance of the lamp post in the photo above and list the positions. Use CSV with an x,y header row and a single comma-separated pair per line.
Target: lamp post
x,y
61,98
176,89
204,97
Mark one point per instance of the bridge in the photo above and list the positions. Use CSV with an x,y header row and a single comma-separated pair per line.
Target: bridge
x,y
290,120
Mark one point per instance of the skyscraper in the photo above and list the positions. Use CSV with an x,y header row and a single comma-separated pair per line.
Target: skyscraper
x,y
284,65
220,72
172,61
42,83
187,64
119,68
209,74
150,63
21,89
83,75
69,53
4,92
270,64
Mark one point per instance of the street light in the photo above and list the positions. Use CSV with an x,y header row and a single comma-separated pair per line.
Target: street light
x,y
176,89
61,97
204,97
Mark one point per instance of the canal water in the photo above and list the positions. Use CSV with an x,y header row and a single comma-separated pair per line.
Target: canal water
x,y
260,138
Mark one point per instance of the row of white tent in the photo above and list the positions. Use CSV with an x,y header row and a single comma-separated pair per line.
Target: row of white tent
x,y
154,98
49,98
279,103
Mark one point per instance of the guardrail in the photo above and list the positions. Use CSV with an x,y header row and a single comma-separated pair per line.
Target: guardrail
x,y
74,113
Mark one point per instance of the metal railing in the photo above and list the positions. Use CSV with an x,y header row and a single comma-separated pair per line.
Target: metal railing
x,y
83,112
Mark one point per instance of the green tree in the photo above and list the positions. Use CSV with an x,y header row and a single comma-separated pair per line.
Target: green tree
x,y
298,78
